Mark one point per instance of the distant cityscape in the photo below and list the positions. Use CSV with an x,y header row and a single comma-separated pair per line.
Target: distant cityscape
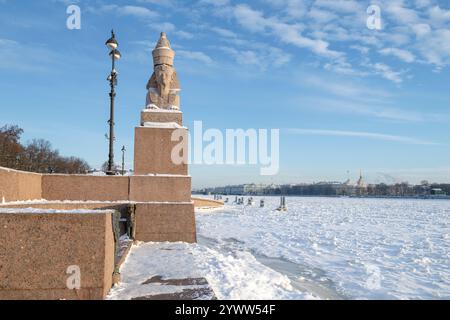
x,y
347,188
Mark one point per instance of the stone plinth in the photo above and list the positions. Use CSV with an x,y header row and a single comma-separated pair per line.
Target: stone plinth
x,y
159,222
38,247
160,165
153,147
161,115
160,188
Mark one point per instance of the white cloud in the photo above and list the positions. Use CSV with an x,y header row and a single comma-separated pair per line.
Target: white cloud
x,y
342,88
25,57
421,29
386,72
361,134
136,11
260,56
278,57
184,34
346,6
244,57
293,9
7,42
397,36
343,67
435,47
195,55
438,15
255,21
321,15
400,13
170,28
364,50
414,31
324,23
65,2
423,3
224,32
164,3
250,19
404,55
163,26
351,98
217,3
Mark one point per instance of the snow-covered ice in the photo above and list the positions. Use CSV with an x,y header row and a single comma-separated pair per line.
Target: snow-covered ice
x,y
326,248
347,248
238,275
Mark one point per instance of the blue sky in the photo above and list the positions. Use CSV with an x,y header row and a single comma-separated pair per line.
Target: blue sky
x,y
345,97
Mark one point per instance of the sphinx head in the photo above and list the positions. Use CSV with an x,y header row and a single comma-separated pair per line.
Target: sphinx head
x,y
164,74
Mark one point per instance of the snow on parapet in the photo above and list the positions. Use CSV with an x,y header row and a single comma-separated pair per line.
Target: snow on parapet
x,y
50,202
161,110
19,171
163,125
52,211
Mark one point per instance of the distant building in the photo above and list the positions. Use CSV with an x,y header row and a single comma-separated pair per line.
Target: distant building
x,y
358,188
438,192
361,186
243,189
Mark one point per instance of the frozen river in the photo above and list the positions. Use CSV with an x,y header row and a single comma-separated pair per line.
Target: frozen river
x,y
339,248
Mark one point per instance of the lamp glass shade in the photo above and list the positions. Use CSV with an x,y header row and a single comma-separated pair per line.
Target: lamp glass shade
x,y
112,44
116,53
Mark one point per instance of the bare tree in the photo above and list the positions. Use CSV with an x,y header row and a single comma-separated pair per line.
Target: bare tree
x,y
37,156
10,147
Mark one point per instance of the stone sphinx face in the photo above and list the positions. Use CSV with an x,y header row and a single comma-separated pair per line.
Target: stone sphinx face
x,y
164,79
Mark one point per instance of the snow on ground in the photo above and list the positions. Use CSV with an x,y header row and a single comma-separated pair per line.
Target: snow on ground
x,y
237,276
346,247
148,260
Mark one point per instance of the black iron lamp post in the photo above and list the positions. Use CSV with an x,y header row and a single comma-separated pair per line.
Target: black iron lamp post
x,y
112,78
123,160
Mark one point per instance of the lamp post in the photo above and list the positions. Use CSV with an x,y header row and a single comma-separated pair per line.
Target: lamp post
x,y
112,78
123,160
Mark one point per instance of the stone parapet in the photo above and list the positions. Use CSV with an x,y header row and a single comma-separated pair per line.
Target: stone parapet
x,y
39,246
84,188
19,185
165,222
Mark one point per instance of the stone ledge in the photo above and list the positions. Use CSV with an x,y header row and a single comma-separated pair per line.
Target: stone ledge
x,y
165,222
160,188
161,116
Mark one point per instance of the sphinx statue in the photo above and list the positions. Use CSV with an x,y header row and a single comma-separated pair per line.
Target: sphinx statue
x,y
163,86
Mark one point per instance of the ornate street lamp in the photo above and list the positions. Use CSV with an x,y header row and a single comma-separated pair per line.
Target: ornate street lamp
x,y
123,160
112,78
